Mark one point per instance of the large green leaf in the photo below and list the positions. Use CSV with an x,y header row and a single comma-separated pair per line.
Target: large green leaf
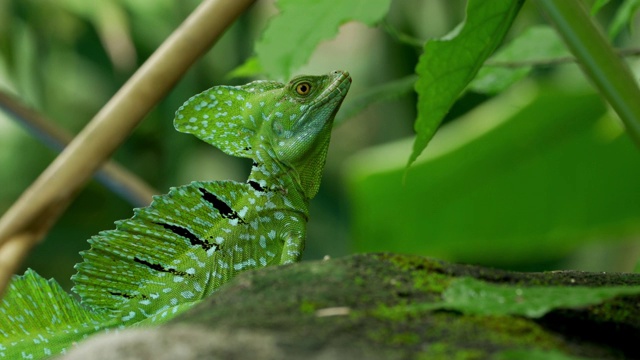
x,y
450,63
293,35
472,296
524,178
476,297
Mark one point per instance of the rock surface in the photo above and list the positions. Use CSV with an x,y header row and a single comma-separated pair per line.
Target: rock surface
x,y
334,309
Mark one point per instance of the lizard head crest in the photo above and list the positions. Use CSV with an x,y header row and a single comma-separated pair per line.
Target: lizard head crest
x,y
288,123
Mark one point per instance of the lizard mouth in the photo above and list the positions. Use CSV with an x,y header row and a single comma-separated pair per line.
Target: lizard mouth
x,y
337,89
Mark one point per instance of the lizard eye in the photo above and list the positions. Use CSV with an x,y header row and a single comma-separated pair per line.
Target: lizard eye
x,y
304,88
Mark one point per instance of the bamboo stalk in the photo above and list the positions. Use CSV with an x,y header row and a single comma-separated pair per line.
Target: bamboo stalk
x,y
13,251
37,209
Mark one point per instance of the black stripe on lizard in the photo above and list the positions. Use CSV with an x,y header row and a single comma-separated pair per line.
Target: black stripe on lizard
x,y
185,233
159,267
223,208
256,186
128,296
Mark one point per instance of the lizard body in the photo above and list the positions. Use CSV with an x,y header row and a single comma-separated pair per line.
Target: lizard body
x,y
189,242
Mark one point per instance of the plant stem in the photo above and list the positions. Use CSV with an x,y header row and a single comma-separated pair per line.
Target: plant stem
x,y
552,61
599,61
112,175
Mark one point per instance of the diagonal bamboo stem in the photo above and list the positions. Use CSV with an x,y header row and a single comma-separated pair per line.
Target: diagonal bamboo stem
x,y
43,202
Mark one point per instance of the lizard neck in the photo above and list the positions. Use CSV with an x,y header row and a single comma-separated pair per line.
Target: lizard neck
x,y
270,175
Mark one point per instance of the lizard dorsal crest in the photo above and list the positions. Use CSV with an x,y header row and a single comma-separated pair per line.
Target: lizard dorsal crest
x,y
226,116
288,125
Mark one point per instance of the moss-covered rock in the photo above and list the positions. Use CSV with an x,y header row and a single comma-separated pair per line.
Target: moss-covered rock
x,y
339,309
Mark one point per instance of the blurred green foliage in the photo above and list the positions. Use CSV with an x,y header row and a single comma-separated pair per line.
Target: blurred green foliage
x,y
521,180
66,58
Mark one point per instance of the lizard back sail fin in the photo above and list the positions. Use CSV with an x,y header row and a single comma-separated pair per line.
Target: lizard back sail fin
x,y
176,251
39,319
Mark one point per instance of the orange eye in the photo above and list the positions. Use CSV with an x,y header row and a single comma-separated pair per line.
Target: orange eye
x,y
304,88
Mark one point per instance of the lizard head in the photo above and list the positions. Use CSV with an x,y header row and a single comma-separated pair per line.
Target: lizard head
x,y
271,121
301,125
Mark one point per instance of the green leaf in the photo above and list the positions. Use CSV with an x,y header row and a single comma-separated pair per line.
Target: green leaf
x,y
388,91
251,67
450,63
624,16
472,296
536,44
525,178
598,5
291,37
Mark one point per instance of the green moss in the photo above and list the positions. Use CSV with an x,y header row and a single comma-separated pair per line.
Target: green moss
x,y
307,307
400,312
404,338
431,282
617,310
425,273
443,351
533,354
476,331
514,331
390,318
408,262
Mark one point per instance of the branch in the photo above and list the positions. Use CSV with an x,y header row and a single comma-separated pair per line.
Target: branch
x,y
554,61
417,43
113,176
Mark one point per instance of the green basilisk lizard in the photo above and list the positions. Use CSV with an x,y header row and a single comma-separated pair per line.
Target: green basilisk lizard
x,y
189,242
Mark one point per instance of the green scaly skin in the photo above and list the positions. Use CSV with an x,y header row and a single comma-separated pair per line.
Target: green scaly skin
x,y
189,242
